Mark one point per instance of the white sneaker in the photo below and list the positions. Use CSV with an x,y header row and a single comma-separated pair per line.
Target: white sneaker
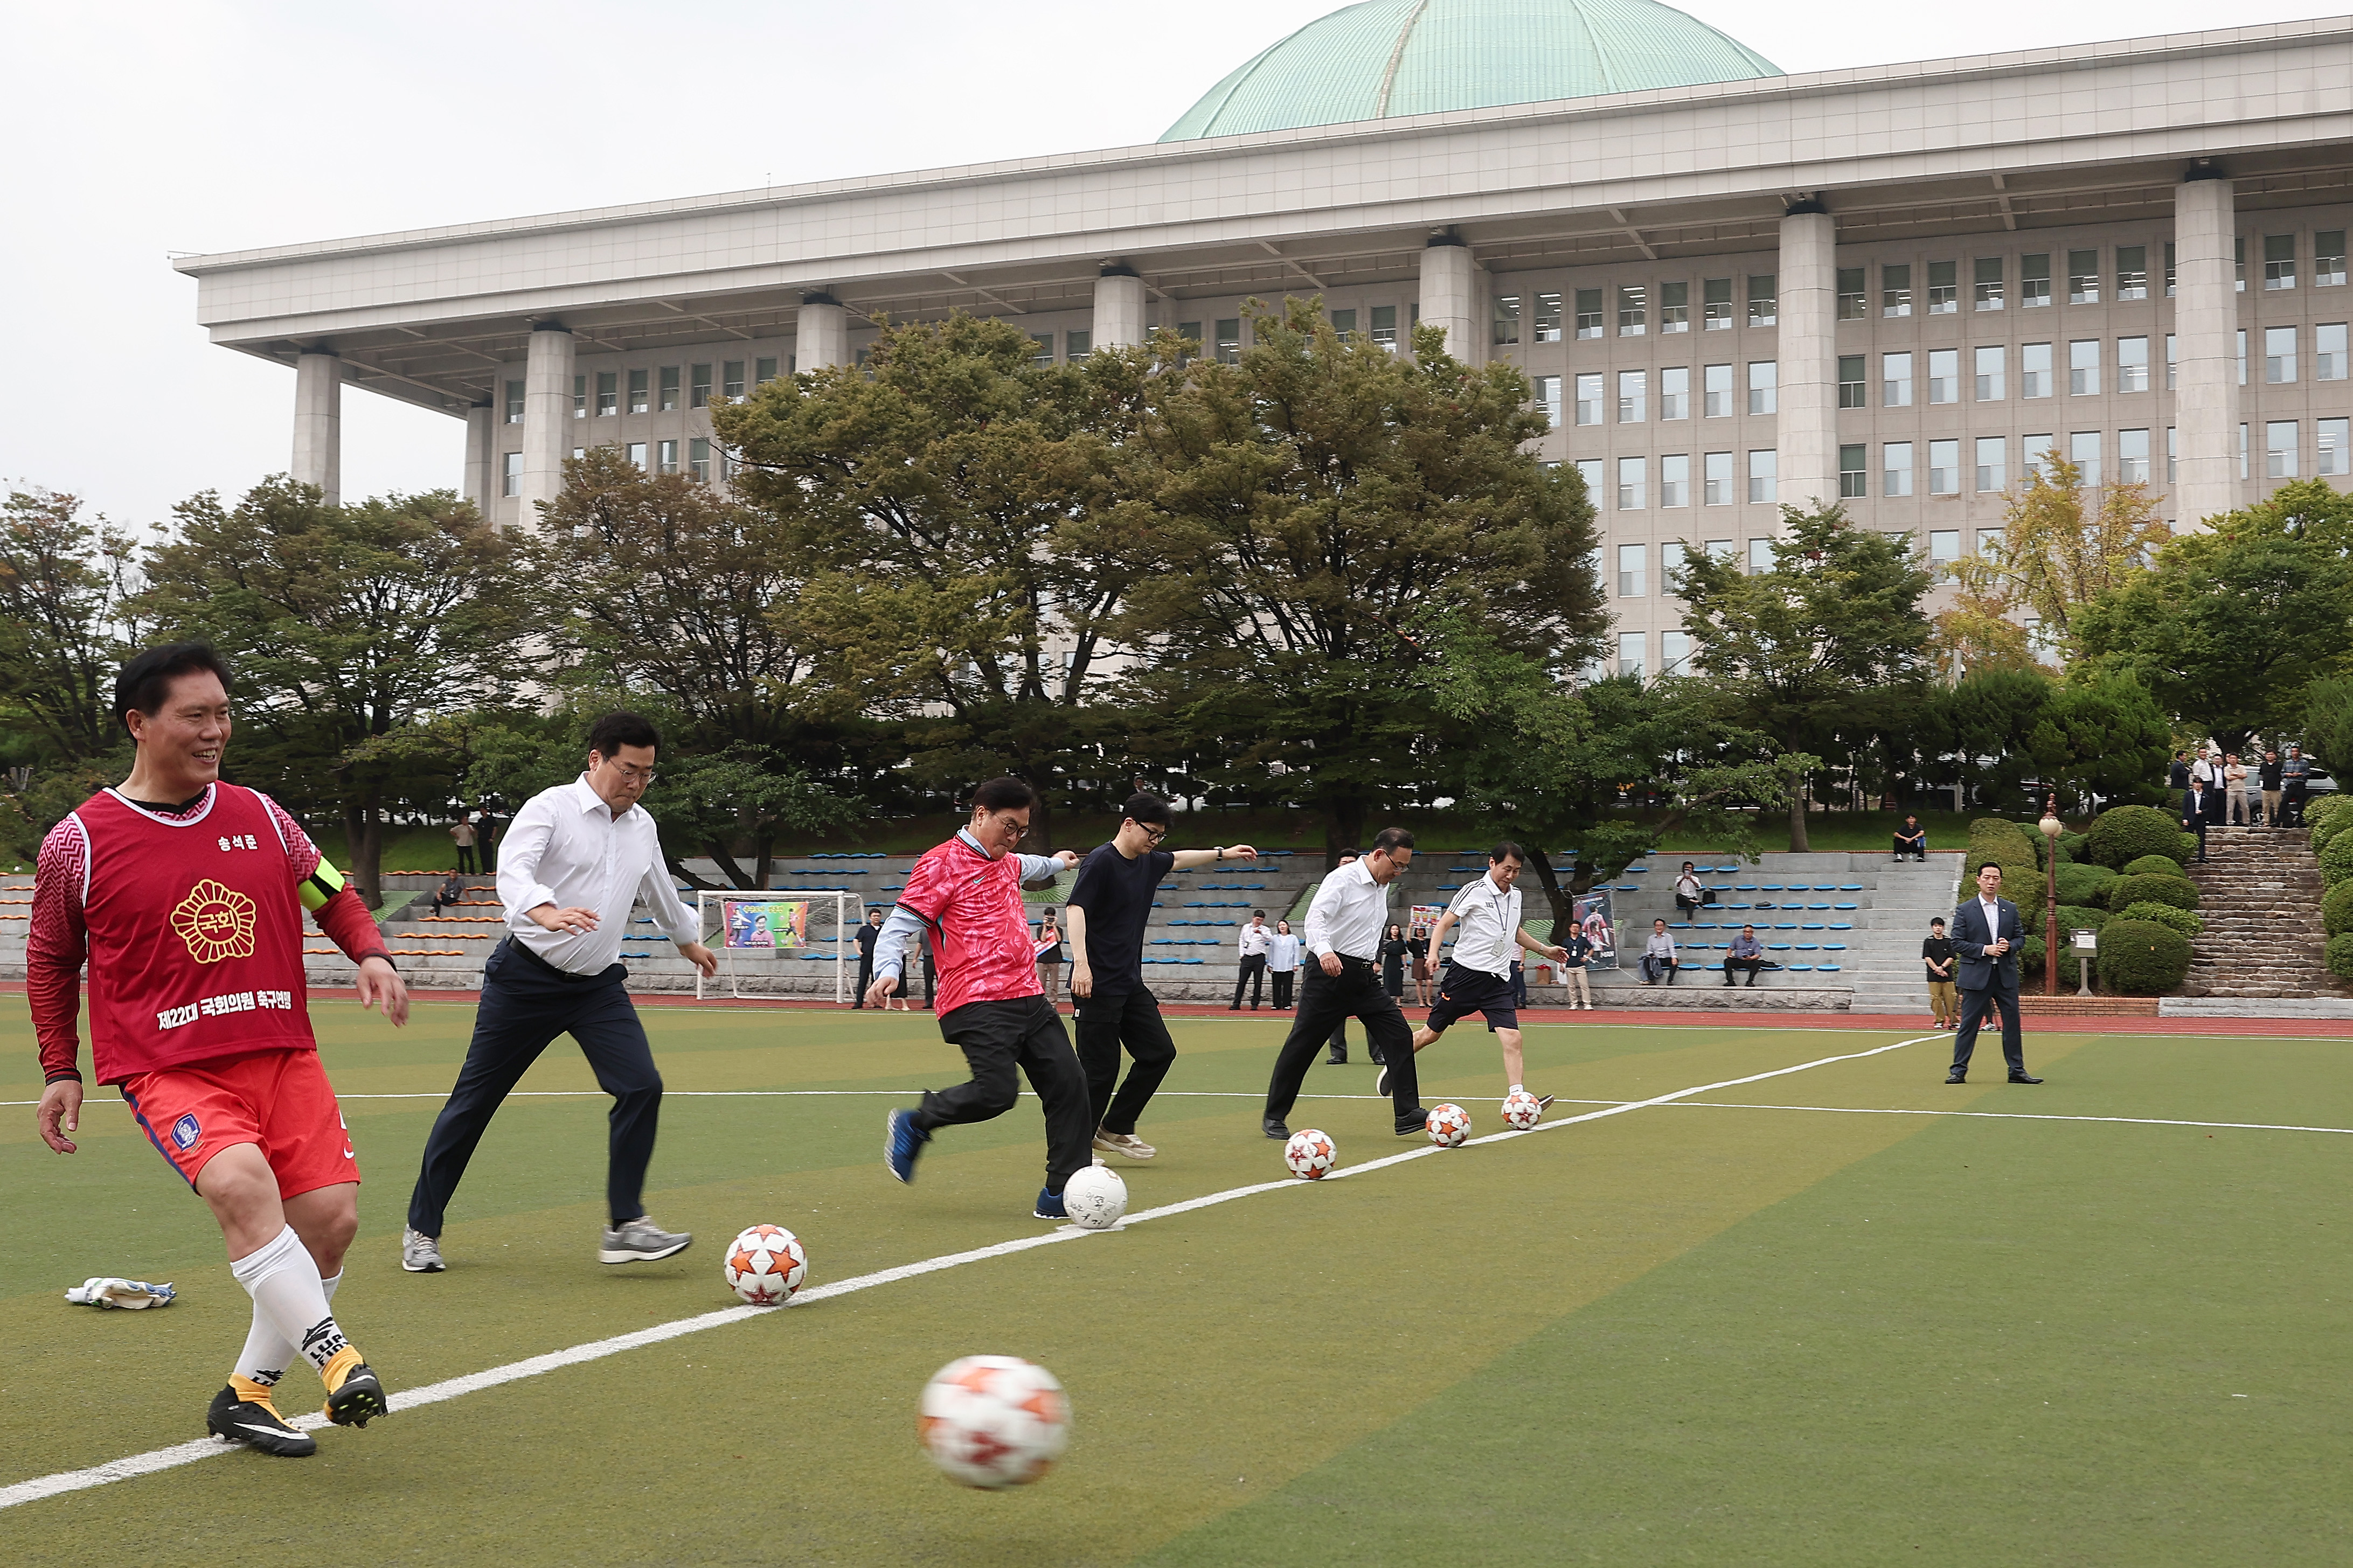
x,y
1126,1144
420,1253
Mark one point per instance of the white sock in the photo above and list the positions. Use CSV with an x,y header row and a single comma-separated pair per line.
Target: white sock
x,y
287,1292
266,1353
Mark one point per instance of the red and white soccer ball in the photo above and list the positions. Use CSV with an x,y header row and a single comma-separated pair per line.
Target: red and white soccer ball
x,y
994,1421
1521,1110
1448,1125
765,1264
1308,1155
1094,1198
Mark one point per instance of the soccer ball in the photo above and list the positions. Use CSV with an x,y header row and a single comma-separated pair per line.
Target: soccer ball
x,y
1095,1198
1521,1110
765,1264
1448,1125
1308,1155
994,1421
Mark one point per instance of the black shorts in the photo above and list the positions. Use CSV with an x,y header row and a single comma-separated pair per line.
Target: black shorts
x,y
1463,992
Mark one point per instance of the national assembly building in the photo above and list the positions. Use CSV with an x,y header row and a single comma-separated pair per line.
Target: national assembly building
x,y
1730,287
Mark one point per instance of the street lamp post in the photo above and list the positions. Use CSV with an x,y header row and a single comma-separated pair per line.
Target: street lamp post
x,y
2051,829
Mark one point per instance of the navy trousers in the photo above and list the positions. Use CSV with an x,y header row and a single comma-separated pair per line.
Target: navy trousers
x,y
526,1002
1975,1005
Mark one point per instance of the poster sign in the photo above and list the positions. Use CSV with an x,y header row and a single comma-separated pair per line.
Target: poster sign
x,y
1594,919
775,924
1425,916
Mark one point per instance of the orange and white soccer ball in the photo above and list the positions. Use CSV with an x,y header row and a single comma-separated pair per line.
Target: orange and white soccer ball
x,y
1521,1110
994,1421
765,1264
1448,1125
1310,1154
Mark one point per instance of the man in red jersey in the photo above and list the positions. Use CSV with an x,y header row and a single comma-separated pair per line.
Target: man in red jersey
x,y
186,896
965,898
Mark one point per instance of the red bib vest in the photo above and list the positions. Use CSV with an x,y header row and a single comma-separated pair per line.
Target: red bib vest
x,y
195,935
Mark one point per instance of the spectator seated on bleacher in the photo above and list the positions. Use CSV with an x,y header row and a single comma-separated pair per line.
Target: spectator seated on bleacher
x,y
450,891
1912,840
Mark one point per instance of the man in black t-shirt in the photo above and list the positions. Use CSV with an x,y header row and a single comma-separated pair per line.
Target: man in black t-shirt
x,y
1109,905
1936,957
866,935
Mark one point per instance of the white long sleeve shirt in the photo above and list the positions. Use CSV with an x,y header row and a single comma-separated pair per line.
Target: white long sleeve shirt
x,y
565,847
1349,914
1282,952
1255,939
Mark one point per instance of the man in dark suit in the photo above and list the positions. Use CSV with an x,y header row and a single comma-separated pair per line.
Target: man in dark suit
x,y
2196,811
1985,937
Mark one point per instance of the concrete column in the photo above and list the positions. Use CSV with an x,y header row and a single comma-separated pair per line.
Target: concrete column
x,y
1449,298
2206,371
479,487
1119,309
821,339
1807,426
319,422
546,419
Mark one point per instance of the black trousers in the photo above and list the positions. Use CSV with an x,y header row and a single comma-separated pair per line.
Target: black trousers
x,y
526,1002
1325,1002
2197,824
1106,1024
1253,976
1975,1004
1283,979
465,857
997,1039
1750,964
865,976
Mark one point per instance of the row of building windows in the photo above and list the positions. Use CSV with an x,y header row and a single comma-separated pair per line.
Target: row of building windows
x,y
2120,273
662,389
1934,467
704,461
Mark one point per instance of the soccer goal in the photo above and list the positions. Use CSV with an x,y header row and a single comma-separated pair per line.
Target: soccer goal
x,y
759,934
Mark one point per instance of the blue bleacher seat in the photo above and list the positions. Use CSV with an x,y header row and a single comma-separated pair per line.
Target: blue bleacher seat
x,y
1849,906
1449,886
1679,925
1801,968
1629,887
1778,946
1828,968
1818,905
1840,925
1807,947
1833,947
1746,887
1769,888
1847,888
1197,960
1716,966
1785,925
1738,906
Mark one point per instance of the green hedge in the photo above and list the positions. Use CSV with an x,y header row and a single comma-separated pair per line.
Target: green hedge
x,y
2011,847
2336,859
2188,922
2340,955
2031,953
2141,958
2153,866
2076,844
2079,917
2084,884
2337,909
2125,833
2178,891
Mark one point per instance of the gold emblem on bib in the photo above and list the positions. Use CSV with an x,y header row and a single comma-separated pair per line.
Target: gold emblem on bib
x,y
216,922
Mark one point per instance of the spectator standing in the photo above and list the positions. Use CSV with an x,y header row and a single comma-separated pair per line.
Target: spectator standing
x,y
461,833
1689,894
2269,775
2178,776
1051,958
1912,840
2249,803
1251,945
1659,955
1393,952
1416,943
2208,771
2296,772
486,837
1575,950
1937,955
867,935
908,949
1747,953
2193,812
1519,985
1282,964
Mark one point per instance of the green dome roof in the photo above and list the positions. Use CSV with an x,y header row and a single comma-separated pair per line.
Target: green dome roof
x,y
1388,57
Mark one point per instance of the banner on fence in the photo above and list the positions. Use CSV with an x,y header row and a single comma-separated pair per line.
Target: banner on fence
x,y
768,923
1594,919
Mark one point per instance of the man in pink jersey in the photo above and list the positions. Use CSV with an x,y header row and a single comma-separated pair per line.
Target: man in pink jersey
x,y
186,896
965,898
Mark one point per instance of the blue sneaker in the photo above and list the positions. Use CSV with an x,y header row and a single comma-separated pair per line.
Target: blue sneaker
x,y
1049,1207
901,1142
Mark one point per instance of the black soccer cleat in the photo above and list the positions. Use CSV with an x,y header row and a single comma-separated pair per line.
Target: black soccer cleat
x,y
358,1399
256,1424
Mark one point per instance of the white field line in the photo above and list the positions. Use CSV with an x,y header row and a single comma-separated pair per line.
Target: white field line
x,y
178,1454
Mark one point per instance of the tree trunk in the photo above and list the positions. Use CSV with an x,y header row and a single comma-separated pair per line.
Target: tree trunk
x,y
1343,826
725,861
1797,841
1540,862
363,835
767,846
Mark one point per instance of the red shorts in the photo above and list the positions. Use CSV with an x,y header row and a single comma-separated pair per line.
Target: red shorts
x,y
278,1101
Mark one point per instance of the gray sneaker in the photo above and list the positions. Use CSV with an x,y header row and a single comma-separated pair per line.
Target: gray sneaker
x,y
640,1240
420,1253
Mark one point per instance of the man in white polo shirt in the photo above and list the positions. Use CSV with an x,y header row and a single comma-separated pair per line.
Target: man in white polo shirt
x,y
1478,977
575,860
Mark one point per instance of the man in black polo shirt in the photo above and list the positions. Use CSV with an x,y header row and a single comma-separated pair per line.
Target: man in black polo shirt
x,y
867,935
1109,905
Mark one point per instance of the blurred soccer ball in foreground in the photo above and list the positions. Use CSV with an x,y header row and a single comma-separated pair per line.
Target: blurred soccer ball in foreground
x,y
994,1421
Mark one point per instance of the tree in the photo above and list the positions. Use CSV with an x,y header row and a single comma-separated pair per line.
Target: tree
x,y
345,624
1310,503
947,499
1821,651
2227,630
2313,510
65,621
2101,737
2054,555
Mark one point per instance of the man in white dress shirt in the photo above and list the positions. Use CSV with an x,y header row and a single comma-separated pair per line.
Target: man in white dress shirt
x,y
575,861
1343,979
1251,947
1478,977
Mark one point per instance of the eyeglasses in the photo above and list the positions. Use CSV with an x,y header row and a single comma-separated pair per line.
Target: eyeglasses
x,y
1151,835
635,776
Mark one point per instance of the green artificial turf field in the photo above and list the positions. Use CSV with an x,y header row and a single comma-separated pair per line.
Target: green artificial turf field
x,y
1753,1329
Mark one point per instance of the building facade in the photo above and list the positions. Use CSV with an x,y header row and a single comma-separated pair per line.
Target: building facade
x,y
1729,287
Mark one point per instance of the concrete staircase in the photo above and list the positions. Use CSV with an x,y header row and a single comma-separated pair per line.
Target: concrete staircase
x,y
2259,894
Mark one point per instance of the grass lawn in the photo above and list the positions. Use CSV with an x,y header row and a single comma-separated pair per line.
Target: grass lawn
x,y
1762,1328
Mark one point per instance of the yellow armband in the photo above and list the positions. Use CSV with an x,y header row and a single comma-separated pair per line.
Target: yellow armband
x,y
321,885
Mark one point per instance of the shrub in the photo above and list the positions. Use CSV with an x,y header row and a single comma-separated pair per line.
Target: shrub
x,y
2011,847
2153,866
2183,920
2336,859
2189,842
2141,958
2084,884
2327,817
2337,909
2079,917
2031,954
2340,955
2125,833
2075,843
2178,891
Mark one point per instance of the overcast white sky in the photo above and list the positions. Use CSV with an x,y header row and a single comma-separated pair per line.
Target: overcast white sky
x,y
138,129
